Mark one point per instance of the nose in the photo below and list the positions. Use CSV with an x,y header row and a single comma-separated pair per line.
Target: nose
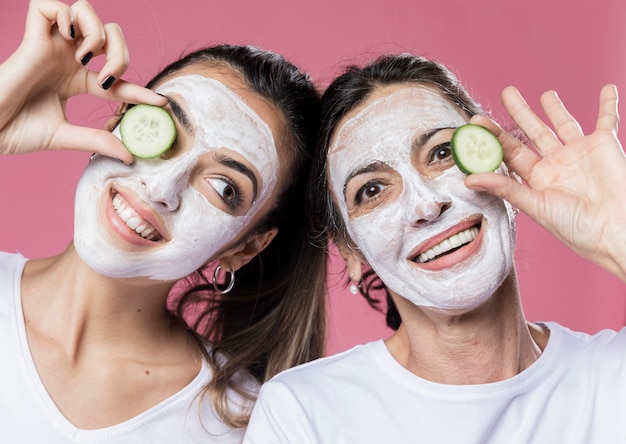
x,y
426,203
429,211
166,197
164,183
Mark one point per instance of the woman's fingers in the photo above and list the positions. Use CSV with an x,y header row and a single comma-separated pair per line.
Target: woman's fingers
x,y
116,53
567,128
97,39
507,188
81,138
517,156
42,14
88,30
608,116
123,91
540,135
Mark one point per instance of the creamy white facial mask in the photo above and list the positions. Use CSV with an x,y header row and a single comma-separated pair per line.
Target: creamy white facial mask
x,y
389,234
196,228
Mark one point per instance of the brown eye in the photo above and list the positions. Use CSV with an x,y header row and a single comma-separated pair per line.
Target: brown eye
x,y
372,191
229,194
369,191
226,190
440,152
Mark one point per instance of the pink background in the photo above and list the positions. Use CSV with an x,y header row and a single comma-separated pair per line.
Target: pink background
x,y
534,45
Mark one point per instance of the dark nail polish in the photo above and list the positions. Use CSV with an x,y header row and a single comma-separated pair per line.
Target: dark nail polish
x,y
108,82
86,58
72,32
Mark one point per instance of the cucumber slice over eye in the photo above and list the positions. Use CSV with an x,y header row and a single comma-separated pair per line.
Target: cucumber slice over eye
x,y
147,131
475,149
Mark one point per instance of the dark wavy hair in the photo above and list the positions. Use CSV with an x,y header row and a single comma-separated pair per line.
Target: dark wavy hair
x,y
274,317
347,91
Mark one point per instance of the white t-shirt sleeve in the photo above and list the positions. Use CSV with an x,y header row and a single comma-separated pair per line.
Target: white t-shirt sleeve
x,y
278,417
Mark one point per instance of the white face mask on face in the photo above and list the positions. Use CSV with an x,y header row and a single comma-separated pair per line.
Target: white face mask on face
x,y
179,197
403,201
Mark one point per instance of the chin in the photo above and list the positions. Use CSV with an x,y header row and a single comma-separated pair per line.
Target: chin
x,y
461,305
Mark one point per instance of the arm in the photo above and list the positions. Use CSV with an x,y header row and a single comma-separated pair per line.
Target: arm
x,y
573,183
49,67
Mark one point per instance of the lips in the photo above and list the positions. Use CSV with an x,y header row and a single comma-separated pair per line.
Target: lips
x,y
449,245
133,220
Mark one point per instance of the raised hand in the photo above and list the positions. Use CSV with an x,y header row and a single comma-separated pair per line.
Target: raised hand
x,y
49,67
573,183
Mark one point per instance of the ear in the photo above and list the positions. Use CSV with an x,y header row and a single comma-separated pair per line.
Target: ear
x,y
353,260
243,253
115,118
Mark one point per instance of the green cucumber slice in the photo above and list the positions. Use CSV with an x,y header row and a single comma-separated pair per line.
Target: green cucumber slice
x,y
475,149
147,131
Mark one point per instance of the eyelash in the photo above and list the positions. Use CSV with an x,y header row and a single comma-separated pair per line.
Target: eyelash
x,y
238,198
436,150
360,194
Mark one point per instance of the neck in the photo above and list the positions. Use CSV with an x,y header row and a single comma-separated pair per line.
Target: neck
x,y
490,343
66,300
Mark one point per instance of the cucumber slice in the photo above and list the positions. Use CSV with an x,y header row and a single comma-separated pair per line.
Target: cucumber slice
x,y
147,131
475,149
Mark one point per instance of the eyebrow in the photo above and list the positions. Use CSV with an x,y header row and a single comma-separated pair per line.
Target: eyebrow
x,y
180,114
229,162
421,140
374,166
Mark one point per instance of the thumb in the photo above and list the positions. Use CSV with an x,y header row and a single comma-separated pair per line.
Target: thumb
x,y
505,187
80,138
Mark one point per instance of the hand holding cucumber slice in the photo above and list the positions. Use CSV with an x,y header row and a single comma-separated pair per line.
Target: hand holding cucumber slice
x,y
475,149
147,131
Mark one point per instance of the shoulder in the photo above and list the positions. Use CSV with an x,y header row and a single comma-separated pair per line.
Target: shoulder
x,y
10,263
606,342
329,370
11,268
243,388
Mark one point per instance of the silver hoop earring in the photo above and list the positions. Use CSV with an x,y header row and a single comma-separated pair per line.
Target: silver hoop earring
x,y
231,280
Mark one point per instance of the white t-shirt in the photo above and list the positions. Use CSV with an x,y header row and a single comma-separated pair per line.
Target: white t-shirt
x,y
574,393
28,414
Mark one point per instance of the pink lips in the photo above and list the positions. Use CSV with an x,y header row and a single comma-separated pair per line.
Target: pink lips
x,y
449,259
142,210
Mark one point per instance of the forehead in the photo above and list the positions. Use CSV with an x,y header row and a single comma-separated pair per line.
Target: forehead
x,y
393,114
209,98
235,82
221,119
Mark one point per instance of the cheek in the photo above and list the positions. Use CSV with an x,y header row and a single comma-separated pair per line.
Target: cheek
x,y
201,230
94,179
379,233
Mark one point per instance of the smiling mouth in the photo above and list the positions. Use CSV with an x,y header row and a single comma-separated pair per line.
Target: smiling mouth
x,y
449,245
134,221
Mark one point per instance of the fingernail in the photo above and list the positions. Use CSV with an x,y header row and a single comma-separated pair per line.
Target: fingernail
x,y
476,188
86,58
108,82
72,32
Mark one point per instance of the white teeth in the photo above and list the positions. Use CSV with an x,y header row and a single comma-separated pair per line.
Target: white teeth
x,y
126,214
464,237
132,219
133,222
